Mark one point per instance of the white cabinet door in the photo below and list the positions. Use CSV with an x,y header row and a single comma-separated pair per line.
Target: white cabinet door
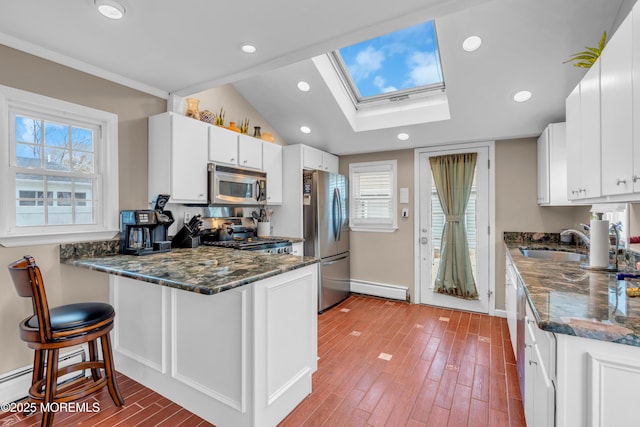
x,y
635,16
223,145
249,152
616,112
311,158
589,165
572,106
543,392
543,168
511,302
330,162
540,395
297,249
189,157
272,165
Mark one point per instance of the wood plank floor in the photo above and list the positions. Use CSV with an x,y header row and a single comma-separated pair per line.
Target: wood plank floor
x,y
382,363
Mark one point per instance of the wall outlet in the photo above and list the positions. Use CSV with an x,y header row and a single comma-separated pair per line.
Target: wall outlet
x,y
187,217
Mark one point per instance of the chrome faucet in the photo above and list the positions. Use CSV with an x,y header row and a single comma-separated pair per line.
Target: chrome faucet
x,y
580,234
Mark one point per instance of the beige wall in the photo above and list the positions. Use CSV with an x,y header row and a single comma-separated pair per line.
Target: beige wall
x,y
236,109
65,284
385,257
516,201
389,257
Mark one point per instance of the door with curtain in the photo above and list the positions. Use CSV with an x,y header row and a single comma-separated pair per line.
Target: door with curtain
x,y
454,238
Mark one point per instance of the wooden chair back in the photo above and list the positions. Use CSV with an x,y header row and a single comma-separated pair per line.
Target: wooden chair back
x,y
28,282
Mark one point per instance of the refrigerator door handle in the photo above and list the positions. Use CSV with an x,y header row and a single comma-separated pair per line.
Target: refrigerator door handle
x,y
335,260
339,226
336,214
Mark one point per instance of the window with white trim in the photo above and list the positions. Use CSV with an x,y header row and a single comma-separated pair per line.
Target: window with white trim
x,y
373,202
62,171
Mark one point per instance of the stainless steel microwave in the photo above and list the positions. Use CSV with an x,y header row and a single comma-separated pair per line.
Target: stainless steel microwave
x,y
229,185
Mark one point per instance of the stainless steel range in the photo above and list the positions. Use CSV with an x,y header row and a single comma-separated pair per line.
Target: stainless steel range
x,y
258,244
241,233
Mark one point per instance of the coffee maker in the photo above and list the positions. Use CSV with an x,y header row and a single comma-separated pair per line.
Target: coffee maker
x,y
144,232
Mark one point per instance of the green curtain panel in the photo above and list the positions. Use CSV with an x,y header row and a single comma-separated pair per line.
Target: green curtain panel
x,y
453,177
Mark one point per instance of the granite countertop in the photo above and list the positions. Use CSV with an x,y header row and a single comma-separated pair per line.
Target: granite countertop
x,y
206,270
569,300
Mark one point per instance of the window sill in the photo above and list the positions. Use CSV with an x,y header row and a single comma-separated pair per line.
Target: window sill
x,y
374,230
44,239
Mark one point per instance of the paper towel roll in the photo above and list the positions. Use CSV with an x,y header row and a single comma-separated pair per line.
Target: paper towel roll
x,y
599,247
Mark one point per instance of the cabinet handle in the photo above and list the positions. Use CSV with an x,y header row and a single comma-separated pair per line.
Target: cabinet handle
x,y
244,162
531,322
635,178
621,181
232,160
533,362
582,190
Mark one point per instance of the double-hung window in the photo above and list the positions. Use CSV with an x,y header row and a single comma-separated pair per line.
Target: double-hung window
x,y
60,175
373,196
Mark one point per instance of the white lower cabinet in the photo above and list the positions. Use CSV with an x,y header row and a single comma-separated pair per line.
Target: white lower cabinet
x,y
297,249
511,301
243,357
597,383
540,396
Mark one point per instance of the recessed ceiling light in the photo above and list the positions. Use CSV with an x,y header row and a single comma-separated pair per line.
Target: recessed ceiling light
x,y
110,8
403,136
248,48
304,86
305,129
471,43
522,96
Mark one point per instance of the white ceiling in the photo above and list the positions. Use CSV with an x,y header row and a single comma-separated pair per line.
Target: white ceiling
x,y
167,47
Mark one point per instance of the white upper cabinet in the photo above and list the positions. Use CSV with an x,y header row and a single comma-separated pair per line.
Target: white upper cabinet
x,y
635,30
272,165
616,103
330,162
573,143
552,166
234,149
223,146
178,158
249,152
312,158
583,137
590,134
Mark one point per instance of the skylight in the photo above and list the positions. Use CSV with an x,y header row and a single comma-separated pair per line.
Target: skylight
x,y
393,66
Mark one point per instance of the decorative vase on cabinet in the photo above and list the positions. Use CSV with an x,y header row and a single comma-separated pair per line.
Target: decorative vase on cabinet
x,y
192,108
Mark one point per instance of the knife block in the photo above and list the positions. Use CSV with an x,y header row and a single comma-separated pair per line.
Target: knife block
x,y
184,239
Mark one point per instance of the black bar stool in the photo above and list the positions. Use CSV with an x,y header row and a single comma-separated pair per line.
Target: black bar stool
x,y
47,331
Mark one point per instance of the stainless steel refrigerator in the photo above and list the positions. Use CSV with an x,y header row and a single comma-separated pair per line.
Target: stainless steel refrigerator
x,y
326,233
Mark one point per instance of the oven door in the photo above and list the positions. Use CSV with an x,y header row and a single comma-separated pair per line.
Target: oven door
x,y
230,186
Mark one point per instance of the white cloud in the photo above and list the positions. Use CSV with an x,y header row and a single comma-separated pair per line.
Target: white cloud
x,y
423,68
380,82
367,61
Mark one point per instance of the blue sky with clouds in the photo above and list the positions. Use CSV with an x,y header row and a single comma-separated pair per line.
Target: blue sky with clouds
x,y
401,60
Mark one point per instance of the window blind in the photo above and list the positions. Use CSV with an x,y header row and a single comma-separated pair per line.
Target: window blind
x,y
372,195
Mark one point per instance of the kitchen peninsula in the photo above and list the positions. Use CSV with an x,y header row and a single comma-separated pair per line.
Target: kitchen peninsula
x,y
576,335
229,335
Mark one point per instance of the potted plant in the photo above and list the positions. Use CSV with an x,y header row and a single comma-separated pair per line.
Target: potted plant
x,y
588,57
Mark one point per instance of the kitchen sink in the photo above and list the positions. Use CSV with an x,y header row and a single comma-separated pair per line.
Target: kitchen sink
x,y
553,255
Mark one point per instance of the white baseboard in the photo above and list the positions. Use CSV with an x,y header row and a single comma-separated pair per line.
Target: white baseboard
x,y
383,290
14,385
500,313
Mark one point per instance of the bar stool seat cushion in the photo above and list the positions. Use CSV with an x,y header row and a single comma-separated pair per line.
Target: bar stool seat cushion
x,y
73,316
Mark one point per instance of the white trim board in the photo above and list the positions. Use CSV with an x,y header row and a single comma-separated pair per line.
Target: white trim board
x,y
383,290
14,385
